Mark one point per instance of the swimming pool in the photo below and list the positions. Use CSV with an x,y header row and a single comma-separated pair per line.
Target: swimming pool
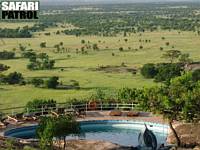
x,y
121,132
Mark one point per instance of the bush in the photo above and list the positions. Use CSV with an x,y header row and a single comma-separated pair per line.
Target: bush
x,y
98,95
7,55
43,44
64,126
37,104
13,78
57,128
196,75
168,71
45,133
37,82
162,72
128,94
3,67
29,54
149,71
52,82
75,84
40,62
121,49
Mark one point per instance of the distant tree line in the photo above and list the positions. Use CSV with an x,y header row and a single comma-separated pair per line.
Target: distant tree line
x,y
7,55
12,78
15,33
24,32
144,18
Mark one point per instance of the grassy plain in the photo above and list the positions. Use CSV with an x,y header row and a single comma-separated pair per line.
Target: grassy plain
x,y
79,66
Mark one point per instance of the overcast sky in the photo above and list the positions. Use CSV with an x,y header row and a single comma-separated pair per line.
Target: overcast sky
x,y
109,1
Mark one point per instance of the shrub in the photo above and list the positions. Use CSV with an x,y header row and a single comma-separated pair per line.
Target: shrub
x,y
37,104
75,84
43,44
13,78
64,126
121,49
7,55
162,72
57,128
45,133
167,71
3,67
29,54
196,75
40,62
98,95
149,71
37,82
128,94
52,82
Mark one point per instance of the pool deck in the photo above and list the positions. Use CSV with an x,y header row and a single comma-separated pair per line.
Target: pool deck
x,y
104,115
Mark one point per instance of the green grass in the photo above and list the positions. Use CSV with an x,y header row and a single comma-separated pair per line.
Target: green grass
x,y
77,67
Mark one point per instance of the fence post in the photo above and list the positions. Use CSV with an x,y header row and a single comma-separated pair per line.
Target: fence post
x,y
132,106
101,106
86,107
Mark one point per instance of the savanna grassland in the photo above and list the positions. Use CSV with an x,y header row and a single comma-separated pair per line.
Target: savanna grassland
x,y
107,68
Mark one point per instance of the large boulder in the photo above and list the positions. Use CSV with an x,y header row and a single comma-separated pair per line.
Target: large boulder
x,y
188,133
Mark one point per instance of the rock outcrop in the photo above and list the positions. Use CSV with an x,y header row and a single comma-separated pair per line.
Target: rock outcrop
x,y
188,133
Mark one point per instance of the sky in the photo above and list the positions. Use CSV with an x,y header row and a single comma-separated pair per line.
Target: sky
x,y
108,1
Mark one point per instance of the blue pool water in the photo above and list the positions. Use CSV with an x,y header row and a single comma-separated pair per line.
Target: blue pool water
x,y
120,132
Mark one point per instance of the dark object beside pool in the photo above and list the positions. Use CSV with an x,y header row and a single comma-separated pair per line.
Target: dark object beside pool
x,y
115,113
133,114
148,139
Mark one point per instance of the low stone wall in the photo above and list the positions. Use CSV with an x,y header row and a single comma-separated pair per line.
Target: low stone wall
x,y
188,133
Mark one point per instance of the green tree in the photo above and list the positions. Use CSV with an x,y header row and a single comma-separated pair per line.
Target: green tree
x,y
196,75
167,71
52,82
45,133
37,104
37,82
95,47
3,67
64,126
82,41
6,55
171,55
43,44
121,49
98,95
149,71
185,58
14,78
178,101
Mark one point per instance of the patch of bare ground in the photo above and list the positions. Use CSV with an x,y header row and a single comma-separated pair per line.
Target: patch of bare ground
x,y
189,134
115,69
94,145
